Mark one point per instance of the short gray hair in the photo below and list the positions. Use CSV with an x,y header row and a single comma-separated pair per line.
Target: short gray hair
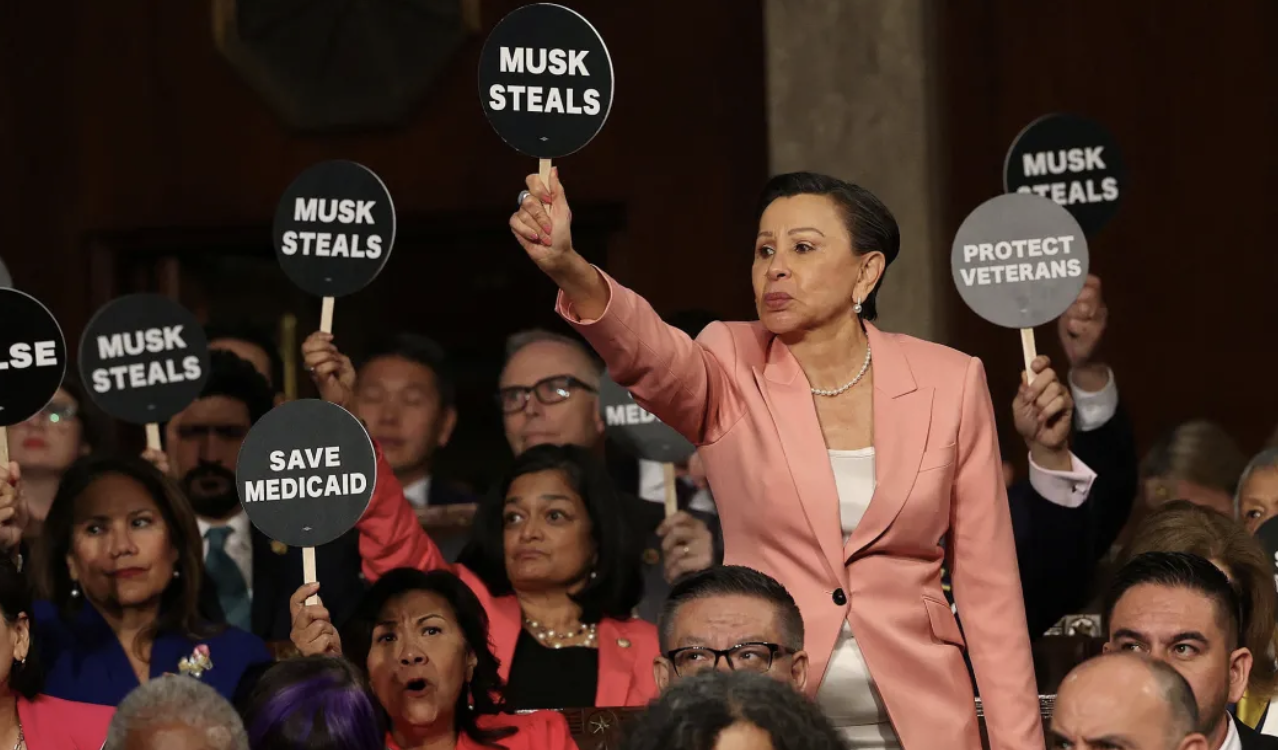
x,y
1266,459
175,699
517,341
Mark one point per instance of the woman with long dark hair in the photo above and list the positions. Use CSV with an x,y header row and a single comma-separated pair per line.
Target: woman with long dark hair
x,y
422,640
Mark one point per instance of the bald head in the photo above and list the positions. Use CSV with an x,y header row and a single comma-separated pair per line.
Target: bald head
x,y
1125,700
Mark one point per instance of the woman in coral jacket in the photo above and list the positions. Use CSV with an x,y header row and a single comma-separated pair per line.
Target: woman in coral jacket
x,y
841,459
550,560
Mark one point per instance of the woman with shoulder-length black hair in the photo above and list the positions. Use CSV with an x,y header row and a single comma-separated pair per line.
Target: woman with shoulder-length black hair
x,y
421,639
553,567
125,567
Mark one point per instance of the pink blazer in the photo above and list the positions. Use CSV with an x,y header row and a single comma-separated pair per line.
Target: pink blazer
x,y
390,537
740,395
54,724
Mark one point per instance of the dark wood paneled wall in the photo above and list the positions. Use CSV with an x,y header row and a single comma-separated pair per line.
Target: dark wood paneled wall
x,y
1189,264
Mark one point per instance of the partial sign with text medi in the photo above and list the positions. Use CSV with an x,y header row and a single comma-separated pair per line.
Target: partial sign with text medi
x,y
637,430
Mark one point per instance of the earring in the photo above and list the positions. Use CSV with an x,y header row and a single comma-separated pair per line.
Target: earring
x,y
177,573
593,575
75,589
857,307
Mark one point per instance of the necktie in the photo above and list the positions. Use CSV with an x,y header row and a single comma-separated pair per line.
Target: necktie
x,y
232,591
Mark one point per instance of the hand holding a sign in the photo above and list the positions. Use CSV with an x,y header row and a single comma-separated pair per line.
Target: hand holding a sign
x,y
1044,414
543,223
313,632
686,545
1081,329
13,510
332,371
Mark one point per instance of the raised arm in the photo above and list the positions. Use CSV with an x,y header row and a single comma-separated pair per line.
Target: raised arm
x,y
987,586
390,535
681,381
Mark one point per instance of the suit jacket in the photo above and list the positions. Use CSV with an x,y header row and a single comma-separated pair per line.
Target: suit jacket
x,y
390,537
55,724
277,574
739,394
1058,548
1253,740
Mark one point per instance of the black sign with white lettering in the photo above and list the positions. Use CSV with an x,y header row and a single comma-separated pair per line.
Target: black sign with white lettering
x,y
1071,160
33,356
144,358
545,80
334,228
306,473
5,279
637,430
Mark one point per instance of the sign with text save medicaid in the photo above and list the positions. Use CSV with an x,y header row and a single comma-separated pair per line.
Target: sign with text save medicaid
x,y
1019,260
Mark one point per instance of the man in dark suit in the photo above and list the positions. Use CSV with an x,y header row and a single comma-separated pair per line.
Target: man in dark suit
x,y
548,394
405,395
1182,610
251,576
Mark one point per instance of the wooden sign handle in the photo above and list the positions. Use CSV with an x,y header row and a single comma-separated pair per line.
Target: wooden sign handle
x,y
153,442
308,572
672,494
543,169
326,315
1030,351
4,447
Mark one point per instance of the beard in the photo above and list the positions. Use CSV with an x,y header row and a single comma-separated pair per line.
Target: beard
x,y
211,489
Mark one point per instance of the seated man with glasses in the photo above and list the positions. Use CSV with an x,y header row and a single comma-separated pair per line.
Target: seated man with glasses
x,y
730,618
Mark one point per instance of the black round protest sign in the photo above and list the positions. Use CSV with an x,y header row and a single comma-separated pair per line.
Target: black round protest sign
x,y
334,228
1019,261
545,80
306,473
144,358
33,356
1072,161
637,430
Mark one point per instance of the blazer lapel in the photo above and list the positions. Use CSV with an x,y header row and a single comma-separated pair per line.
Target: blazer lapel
x,y
902,417
616,664
788,395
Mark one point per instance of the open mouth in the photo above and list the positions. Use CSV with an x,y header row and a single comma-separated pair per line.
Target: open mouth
x,y
415,686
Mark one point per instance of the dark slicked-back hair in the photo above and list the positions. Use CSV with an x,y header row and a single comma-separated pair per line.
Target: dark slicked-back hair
x,y
1183,570
870,224
424,351
256,335
732,580
693,712
238,379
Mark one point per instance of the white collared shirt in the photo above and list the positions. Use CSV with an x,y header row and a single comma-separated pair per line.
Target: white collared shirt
x,y
239,544
418,493
1232,740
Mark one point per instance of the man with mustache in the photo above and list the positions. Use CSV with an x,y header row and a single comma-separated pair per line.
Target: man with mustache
x,y
251,574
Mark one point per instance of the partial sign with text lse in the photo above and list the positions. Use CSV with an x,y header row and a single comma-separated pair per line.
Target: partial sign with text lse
x,y
33,356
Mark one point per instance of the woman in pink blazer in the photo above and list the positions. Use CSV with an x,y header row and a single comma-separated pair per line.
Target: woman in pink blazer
x,y
845,462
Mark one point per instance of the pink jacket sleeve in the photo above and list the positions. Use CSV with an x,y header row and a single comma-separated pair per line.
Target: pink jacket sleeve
x,y
987,586
679,380
390,535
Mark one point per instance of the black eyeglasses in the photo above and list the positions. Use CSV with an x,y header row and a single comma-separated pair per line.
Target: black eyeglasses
x,y
744,657
549,390
56,413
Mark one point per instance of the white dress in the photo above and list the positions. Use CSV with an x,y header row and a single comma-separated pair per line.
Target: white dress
x,y
848,695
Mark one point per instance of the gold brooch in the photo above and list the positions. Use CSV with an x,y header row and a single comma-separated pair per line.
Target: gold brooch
x,y
197,663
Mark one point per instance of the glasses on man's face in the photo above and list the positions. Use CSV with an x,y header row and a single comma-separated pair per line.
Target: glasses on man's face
x,y
548,391
56,413
743,657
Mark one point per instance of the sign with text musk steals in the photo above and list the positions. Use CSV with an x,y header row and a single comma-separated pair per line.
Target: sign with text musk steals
x,y
334,228
1072,161
306,473
1019,260
637,430
33,356
144,358
545,80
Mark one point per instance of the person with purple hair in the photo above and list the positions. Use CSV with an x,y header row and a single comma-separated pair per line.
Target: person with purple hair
x,y
311,703
421,640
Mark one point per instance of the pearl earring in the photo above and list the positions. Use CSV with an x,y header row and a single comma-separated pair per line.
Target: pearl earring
x,y
75,590
593,575
857,307
177,573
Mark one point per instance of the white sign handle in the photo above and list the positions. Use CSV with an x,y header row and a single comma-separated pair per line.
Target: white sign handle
x,y
153,437
4,448
308,569
543,169
326,316
672,495
1030,351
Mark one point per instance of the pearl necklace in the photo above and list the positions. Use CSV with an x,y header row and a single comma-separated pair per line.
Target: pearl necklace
x,y
561,639
837,391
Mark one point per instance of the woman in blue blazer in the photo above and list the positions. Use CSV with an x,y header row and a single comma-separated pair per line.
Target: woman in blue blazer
x,y
124,568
